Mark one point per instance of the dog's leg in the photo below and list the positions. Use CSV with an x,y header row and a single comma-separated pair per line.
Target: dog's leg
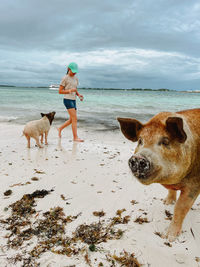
x,y
41,138
46,134
37,141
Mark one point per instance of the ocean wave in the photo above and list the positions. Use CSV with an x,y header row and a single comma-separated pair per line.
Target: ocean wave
x,y
8,118
102,121
98,121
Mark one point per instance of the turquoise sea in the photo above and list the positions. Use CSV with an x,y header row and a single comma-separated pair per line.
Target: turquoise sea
x,y
99,109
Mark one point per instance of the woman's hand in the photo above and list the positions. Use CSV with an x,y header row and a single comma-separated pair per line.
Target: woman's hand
x,y
81,97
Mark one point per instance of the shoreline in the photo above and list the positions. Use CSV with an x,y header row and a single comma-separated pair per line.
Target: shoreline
x,y
112,89
93,176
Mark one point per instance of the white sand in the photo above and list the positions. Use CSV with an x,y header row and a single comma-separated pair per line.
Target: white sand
x,y
94,175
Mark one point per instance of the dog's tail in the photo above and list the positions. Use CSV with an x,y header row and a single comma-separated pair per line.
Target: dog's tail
x,y
23,134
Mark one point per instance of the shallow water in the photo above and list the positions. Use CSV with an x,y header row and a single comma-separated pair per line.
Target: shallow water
x,y
99,108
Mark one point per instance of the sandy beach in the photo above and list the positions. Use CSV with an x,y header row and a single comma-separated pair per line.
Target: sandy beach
x,y
88,177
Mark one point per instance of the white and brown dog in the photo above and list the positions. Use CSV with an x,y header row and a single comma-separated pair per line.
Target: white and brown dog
x,y
38,128
168,152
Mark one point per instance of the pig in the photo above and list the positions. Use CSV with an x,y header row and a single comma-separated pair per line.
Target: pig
x,y
38,128
168,153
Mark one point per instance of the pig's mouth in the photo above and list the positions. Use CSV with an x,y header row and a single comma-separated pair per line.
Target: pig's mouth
x,y
142,168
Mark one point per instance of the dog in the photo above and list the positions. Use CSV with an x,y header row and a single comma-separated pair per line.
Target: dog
x,y
38,128
168,152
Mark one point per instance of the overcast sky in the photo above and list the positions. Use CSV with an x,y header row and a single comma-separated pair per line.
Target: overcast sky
x,y
116,43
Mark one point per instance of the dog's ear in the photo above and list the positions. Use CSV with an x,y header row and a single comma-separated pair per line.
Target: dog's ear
x,y
42,114
130,128
174,126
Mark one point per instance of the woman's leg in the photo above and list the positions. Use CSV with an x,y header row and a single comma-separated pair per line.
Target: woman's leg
x,y
64,125
73,117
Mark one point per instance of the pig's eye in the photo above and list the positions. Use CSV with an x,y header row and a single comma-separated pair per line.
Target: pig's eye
x,y
140,141
164,141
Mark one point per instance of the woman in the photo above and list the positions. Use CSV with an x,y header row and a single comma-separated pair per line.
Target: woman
x,y
68,87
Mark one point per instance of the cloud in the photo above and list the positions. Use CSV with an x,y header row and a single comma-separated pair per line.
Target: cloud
x,y
136,62
114,43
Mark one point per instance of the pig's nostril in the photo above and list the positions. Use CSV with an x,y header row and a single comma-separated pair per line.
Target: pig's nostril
x,y
143,164
133,164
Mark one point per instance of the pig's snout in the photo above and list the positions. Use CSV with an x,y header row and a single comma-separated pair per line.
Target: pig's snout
x,y
140,166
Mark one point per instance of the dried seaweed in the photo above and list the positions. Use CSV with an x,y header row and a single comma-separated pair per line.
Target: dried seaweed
x,y
119,219
39,172
34,178
192,232
141,220
134,202
7,192
168,244
20,184
96,233
168,214
63,197
158,233
197,259
48,231
87,259
99,213
125,259
20,217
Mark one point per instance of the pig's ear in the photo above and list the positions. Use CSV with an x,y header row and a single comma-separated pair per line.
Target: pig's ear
x,y
174,126
130,128
42,114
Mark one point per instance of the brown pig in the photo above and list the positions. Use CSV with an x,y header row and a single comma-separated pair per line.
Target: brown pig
x,y
168,153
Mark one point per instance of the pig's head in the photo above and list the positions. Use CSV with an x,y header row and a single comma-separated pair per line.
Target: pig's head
x,y
161,155
50,116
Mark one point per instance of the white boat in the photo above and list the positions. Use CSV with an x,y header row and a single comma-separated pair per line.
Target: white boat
x,y
53,86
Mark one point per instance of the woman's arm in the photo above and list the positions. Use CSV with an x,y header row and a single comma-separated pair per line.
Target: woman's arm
x,y
62,90
79,95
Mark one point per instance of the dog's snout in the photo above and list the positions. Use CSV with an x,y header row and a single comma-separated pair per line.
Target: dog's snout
x,y
140,166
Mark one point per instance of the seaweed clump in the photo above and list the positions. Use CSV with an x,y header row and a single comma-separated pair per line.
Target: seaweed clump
x,y
20,217
99,232
119,219
96,233
125,259
48,231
